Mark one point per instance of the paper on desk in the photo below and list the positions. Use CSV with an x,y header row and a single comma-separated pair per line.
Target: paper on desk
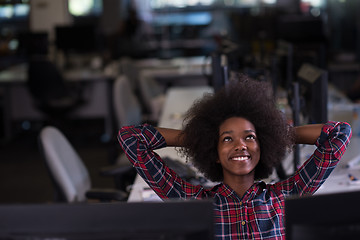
x,y
148,195
354,163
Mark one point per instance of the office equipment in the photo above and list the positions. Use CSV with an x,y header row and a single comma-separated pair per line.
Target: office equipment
x,y
314,84
300,28
67,171
153,76
308,98
95,86
127,108
219,69
186,220
76,38
50,93
353,179
33,44
328,216
182,169
152,96
127,111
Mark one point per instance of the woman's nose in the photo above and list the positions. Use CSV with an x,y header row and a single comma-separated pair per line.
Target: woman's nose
x,y
240,146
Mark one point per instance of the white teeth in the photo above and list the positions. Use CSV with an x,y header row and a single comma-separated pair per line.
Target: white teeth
x,y
240,158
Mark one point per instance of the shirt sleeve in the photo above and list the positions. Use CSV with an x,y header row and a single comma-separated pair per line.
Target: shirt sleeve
x,y
139,143
331,146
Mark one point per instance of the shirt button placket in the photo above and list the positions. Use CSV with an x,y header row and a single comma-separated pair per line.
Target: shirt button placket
x,y
243,216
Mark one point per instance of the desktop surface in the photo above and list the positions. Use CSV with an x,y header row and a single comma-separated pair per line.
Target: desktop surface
x,y
182,220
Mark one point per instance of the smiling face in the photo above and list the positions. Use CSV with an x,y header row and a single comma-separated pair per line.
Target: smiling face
x,y
238,148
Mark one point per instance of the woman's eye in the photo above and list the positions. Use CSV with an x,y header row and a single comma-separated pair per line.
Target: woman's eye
x,y
227,139
252,137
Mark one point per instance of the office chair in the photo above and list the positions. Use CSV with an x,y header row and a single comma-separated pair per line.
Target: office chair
x,y
127,108
152,94
49,91
67,171
127,111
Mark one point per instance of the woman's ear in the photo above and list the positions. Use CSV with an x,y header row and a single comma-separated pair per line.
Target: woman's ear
x,y
217,160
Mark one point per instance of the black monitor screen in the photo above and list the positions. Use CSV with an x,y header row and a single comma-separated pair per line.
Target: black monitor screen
x,y
151,221
31,43
327,216
299,28
76,38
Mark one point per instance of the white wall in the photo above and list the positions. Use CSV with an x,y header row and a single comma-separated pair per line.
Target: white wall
x,y
45,14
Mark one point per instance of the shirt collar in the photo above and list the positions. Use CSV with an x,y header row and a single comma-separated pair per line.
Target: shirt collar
x,y
226,191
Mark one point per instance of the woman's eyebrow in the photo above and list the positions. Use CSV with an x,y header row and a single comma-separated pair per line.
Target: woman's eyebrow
x,y
226,132
231,131
250,130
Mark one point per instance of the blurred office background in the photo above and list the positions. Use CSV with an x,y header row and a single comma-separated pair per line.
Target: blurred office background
x,y
258,37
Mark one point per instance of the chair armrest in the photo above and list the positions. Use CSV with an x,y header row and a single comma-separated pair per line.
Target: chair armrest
x,y
106,195
124,175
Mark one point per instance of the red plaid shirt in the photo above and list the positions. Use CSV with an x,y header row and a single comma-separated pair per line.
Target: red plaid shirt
x,y
259,214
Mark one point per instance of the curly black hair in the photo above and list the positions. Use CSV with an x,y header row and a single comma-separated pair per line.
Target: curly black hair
x,y
243,97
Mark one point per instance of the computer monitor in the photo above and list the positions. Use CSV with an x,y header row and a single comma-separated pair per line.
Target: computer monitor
x,y
179,220
328,216
300,28
33,44
219,71
77,38
314,90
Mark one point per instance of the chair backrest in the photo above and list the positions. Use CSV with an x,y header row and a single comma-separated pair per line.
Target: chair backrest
x,y
152,94
127,108
65,166
45,80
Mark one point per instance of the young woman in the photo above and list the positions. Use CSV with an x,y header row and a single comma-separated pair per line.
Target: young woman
x,y
236,137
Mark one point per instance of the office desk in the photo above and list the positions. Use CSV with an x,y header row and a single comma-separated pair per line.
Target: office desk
x,y
175,72
172,68
17,102
178,101
180,62
338,180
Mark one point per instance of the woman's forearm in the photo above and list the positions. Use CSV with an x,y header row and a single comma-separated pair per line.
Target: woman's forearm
x,y
307,134
172,137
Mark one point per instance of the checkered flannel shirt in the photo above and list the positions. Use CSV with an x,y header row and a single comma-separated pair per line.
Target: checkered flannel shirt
x,y
259,214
